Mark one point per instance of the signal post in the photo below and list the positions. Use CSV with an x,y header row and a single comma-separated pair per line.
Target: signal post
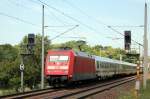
x,y
22,71
137,84
29,46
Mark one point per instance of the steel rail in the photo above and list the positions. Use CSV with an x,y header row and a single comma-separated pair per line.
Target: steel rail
x,y
28,94
96,89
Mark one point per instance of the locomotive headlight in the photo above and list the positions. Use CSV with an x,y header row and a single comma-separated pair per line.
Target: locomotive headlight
x,y
49,71
70,75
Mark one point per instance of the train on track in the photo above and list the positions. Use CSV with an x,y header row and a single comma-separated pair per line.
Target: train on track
x,y
66,66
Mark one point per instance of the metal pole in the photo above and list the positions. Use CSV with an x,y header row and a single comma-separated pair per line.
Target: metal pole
x,y
42,68
22,87
145,47
22,70
139,52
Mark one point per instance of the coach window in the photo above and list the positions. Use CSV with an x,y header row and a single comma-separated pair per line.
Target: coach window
x,y
109,66
113,65
101,64
104,65
97,63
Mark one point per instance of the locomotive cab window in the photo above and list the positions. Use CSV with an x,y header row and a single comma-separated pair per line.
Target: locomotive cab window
x,y
58,58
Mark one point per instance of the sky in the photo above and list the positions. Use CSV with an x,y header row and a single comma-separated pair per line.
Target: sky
x,y
20,17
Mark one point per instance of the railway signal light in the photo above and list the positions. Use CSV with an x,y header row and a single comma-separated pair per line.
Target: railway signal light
x,y
31,43
31,39
127,40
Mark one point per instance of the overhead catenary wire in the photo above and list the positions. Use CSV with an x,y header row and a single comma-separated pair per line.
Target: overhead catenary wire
x,y
100,22
64,32
18,4
26,7
18,19
56,18
136,26
59,26
124,35
70,17
84,13
75,37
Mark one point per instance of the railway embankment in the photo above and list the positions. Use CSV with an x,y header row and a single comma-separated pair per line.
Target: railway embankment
x,y
116,92
143,93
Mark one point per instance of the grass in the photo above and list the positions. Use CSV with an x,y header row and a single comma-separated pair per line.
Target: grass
x,y
143,93
7,91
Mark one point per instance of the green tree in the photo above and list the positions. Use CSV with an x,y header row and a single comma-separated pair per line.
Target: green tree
x,y
10,60
8,63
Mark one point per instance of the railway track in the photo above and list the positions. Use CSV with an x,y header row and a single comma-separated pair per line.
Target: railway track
x,y
96,89
87,92
74,92
28,94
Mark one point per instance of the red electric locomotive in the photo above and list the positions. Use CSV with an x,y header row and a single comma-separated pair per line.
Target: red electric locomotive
x,y
65,66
